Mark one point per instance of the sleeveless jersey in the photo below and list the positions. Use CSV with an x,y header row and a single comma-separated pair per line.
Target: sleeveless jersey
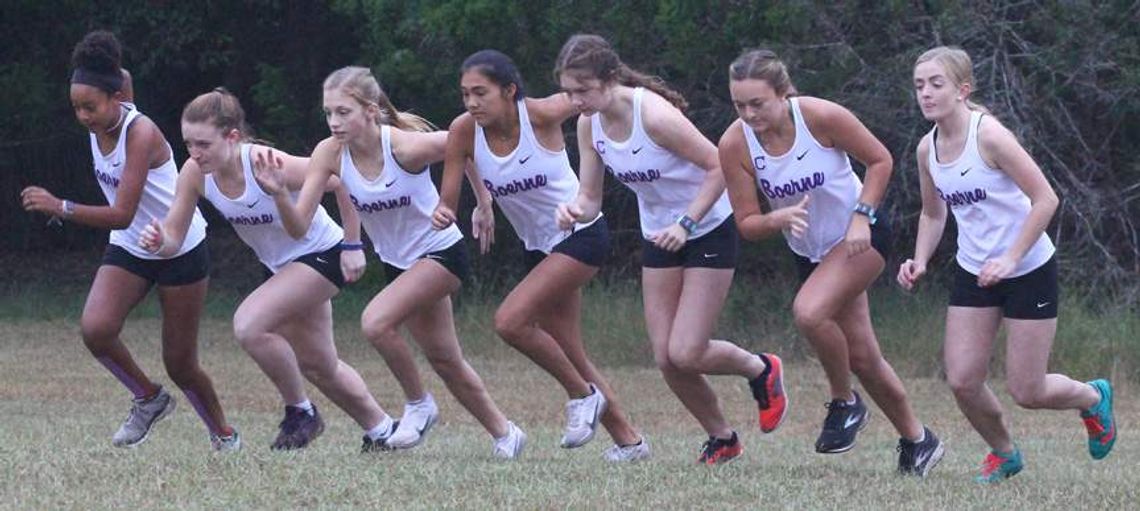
x,y
808,168
255,218
157,194
395,210
528,184
988,206
665,183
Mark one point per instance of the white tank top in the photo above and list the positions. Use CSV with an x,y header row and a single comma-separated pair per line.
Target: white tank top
x,y
808,168
255,218
528,184
396,209
988,206
157,194
665,183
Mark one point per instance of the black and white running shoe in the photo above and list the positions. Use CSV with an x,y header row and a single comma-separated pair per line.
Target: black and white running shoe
x,y
844,420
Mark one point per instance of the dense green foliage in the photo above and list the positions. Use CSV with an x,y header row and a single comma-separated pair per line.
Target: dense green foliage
x,y
1063,75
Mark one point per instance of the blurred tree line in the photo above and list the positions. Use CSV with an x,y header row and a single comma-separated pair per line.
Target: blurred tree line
x,y
1064,76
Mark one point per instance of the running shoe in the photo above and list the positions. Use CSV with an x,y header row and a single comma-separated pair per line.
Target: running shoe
x,y
298,429
1099,421
379,444
919,458
628,453
998,467
226,443
768,391
844,420
718,450
582,417
510,446
418,419
144,414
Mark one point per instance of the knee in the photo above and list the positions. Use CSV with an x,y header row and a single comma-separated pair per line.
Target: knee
x,y
1026,395
664,364
380,332
97,332
964,386
807,317
247,332
686,359
510,326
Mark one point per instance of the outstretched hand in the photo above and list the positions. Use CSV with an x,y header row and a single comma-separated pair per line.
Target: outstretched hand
x,y
35,198
268,170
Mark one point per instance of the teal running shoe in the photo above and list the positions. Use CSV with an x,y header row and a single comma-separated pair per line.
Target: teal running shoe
x,y
1000,466
1099,421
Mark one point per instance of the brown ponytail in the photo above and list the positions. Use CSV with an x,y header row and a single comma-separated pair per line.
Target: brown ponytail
x,y
593,55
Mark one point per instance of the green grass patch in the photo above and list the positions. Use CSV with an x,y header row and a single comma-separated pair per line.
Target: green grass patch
x,y
60,408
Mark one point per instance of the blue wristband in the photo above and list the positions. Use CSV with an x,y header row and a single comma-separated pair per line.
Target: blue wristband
x,y
688,224
866,210
344,245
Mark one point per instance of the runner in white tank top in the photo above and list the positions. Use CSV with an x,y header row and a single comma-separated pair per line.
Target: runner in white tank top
x,y
794,151
989,207
1005,274
520,156
396,210
689,252
286,323
425,267
135,167
157,194
527,183
254,217
664,182
808,168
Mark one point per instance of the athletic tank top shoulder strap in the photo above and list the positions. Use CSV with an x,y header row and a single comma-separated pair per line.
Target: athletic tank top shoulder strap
x,y
970,148
390,155
802,129
526,129
972,136
637,132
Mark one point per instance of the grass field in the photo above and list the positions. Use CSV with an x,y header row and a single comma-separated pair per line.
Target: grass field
x,y
59,409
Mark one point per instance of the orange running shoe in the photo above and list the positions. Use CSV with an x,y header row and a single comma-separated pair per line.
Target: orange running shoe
x,y
718,450
768,391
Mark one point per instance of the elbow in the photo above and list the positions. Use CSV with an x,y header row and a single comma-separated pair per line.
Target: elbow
x,y
747,232
1050,202
296,232
120,221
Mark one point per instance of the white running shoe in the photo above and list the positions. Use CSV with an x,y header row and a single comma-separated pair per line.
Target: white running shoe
x,y
414,425
511,446
227,443
144,414
582,417
628,453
